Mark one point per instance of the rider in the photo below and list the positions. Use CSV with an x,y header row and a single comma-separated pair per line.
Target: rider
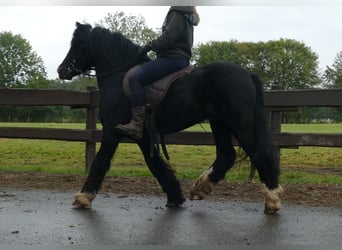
x,y
173,50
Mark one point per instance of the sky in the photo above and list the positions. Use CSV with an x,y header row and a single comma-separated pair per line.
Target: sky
x,y
49,28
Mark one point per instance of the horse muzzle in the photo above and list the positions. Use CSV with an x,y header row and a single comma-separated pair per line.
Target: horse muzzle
x,y
67,72
64,73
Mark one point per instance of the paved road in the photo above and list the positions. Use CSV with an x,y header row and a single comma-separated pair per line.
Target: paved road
x,y
47,218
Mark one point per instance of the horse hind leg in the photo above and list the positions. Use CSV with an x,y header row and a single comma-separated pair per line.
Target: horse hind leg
x,y
263,158
225,158
269,171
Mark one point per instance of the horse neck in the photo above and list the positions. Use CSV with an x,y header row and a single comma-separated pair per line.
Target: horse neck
x,y
110,57
112,72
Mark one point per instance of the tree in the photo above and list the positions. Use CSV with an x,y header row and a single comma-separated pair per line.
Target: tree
x,y
286,62
289,63
333,79
216,51
133,27
333,75
18,63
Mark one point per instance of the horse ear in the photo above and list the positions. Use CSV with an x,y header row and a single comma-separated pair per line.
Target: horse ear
x,y
78,24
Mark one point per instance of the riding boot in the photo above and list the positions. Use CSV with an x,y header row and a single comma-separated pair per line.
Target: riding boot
x,y
134,128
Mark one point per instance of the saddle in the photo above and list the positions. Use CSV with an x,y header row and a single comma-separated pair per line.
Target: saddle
x,y
154,94
156,91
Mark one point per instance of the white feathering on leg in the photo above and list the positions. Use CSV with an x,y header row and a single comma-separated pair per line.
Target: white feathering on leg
x,y
272,199
202,187
83,199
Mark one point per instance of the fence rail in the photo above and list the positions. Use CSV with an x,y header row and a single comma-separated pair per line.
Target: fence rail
x,y
276,102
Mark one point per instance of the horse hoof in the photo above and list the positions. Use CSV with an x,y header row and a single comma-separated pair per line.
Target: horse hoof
x,y
196,197
78,204
272,199
202,187
269,210
175,202
83,200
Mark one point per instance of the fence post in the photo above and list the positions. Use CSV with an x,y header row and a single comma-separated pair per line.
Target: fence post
x,y
90,125
275,124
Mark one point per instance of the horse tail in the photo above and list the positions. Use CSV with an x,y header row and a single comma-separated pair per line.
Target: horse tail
x,y
263,137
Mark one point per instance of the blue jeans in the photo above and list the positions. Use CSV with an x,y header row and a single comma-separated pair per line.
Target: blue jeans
x,y
151,71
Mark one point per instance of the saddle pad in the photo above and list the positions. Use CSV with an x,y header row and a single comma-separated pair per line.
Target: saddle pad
x,y
156,91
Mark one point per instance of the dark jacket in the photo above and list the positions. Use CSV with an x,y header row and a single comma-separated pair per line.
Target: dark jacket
x,y
176,39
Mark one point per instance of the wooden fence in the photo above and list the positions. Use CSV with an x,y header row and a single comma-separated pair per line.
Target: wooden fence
x,y
277,101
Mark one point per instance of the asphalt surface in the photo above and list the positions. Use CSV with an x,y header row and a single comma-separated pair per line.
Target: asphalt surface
x,y
47,218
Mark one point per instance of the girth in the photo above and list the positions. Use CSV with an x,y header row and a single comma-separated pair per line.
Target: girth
x,y
154,94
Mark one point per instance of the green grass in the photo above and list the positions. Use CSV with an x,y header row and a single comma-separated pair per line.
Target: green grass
x,y
302,165
45,125
293,128
312,128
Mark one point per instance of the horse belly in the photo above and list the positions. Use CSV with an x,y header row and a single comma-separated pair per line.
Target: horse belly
x,y
179,113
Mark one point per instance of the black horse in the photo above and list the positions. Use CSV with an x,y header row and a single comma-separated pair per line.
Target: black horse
x,y
227,95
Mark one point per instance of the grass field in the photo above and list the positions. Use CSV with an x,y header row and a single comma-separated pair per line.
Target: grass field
x,y
302,165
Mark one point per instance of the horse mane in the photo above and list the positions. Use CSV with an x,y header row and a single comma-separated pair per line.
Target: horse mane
x,y
110,46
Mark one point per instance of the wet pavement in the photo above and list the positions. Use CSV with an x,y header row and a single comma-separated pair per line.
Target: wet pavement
x,y
47,218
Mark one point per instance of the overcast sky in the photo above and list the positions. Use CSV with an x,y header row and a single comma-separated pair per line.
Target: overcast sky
x,y
49,28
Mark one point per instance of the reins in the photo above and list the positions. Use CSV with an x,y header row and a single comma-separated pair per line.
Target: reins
x,y
118,69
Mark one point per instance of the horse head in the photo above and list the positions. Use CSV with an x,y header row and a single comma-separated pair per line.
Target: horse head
x,y
109,52
78,58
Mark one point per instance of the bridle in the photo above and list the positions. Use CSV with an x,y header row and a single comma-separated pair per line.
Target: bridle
x,y
72,67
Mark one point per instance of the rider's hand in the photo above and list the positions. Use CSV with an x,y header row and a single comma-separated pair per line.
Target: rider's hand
x,y
144,49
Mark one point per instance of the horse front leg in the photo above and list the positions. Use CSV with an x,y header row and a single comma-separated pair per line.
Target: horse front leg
x,y
98,169
164,174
